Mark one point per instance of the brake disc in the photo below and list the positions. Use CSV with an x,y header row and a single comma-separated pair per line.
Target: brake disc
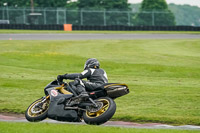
x,y
36,109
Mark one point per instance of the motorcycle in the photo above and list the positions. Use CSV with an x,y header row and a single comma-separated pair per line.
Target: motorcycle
x,y
62,103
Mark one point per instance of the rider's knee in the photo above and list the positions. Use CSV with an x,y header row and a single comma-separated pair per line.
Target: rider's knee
x,y
79,82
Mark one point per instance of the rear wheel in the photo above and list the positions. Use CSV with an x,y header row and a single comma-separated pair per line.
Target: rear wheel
x,y
37,111
101,114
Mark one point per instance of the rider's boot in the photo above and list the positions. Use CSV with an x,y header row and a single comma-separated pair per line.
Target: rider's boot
x,y
83,95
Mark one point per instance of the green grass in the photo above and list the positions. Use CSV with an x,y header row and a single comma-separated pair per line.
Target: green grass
x,y
65,128
103,32
163,75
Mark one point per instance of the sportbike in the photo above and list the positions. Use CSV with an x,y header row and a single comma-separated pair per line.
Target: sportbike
x,y
62,103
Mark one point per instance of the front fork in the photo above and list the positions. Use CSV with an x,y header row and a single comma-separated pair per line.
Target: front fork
x,y
46,98
41,105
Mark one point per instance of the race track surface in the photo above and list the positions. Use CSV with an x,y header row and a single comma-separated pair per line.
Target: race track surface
x,y
95,36
21,118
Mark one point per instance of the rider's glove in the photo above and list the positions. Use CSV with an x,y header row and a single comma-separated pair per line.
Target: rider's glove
x,y
60,79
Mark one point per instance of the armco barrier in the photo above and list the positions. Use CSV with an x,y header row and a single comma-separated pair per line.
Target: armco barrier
x,y
109,27
31,27
140,28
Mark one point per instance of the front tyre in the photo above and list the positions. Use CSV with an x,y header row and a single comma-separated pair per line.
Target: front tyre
x,y
105,110
37,111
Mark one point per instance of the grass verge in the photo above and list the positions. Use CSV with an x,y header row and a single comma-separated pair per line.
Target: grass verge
x,y
61,128
100,32
163,75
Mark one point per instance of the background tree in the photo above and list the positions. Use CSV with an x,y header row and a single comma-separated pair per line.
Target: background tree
x,y
113,17
186,14
14,3
97,17
104,4
155,12
37,3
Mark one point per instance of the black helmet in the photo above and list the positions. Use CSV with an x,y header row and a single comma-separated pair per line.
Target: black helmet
x,y
91,63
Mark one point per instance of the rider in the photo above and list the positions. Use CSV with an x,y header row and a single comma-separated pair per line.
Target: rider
x,y
96,77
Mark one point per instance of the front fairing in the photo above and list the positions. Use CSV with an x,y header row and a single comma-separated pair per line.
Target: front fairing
x,y
51,86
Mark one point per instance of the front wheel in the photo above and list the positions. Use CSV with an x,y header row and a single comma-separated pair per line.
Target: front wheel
x,y
105,110
37,111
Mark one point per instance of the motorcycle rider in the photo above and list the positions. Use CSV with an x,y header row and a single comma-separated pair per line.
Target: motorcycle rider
x,y
96,77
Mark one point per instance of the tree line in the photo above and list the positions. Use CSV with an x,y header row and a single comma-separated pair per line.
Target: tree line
x,y
154,12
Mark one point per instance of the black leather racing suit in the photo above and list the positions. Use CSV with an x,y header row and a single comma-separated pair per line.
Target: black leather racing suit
x,y
95,78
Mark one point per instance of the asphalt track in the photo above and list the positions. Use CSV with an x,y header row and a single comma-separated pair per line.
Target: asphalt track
x,y
94,36
21,118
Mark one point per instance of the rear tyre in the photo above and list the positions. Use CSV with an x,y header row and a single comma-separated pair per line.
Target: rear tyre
x,y
37,111
96,116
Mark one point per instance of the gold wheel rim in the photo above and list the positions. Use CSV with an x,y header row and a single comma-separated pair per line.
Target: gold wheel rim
x,y
101,111
45,108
